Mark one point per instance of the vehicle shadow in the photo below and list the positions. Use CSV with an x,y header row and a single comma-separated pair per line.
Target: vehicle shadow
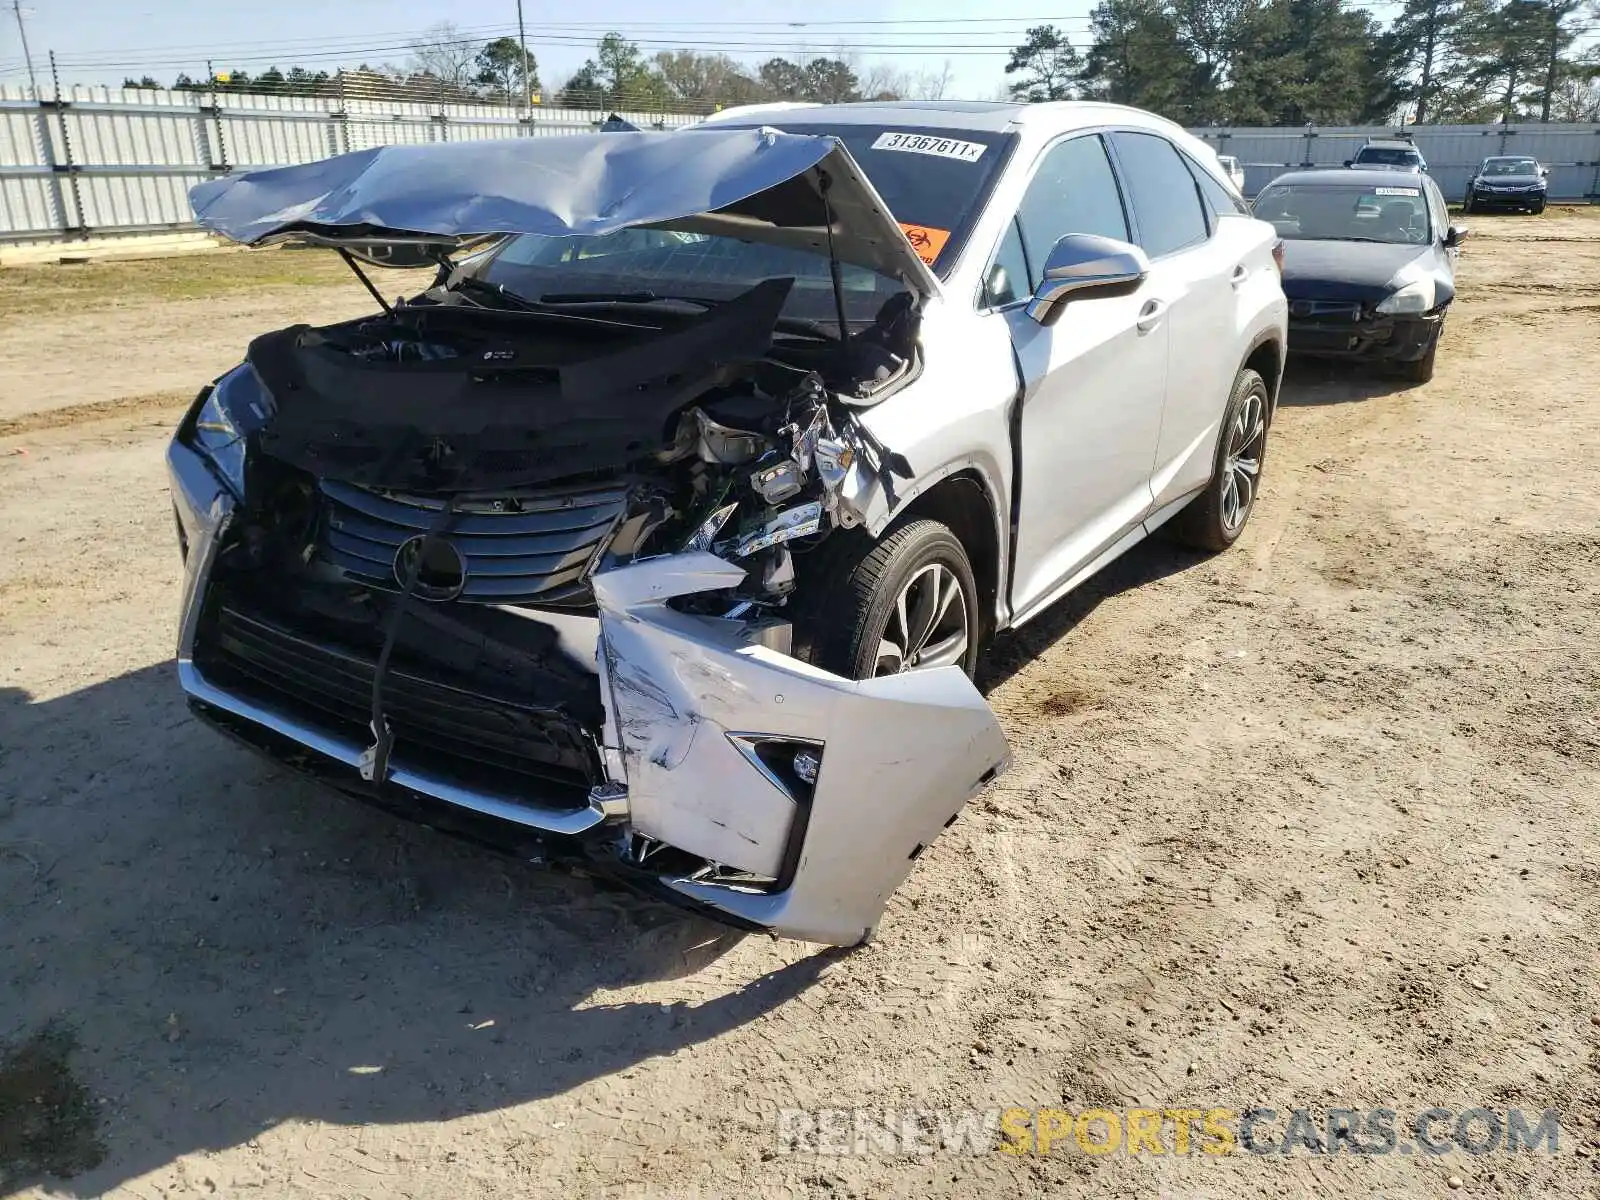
x,y
199,946
1157,557
1317,381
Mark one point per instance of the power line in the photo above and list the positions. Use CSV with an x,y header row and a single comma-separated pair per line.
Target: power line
x,y
799,38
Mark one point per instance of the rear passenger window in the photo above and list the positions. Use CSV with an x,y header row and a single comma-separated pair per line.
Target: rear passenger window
x,y
1219,201
1073,191
1165,199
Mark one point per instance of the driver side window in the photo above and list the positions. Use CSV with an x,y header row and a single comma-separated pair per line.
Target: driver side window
x,y
1073,191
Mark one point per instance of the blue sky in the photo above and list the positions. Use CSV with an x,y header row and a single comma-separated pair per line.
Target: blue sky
x,y
100,41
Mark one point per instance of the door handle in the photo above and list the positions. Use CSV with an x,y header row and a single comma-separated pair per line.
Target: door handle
x,y
1240,274
1150,315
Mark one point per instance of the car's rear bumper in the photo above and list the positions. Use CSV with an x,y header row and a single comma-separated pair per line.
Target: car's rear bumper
x,y
1374,338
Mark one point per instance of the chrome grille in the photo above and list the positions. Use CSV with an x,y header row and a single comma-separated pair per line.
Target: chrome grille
x,y
520,548
1325,310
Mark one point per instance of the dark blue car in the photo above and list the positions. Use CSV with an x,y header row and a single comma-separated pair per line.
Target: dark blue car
x,y
1368,264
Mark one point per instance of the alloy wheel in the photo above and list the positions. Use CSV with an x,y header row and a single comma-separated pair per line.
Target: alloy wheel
x,y
1247,438
929,626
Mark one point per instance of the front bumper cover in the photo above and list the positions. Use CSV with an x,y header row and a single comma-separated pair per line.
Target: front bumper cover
x,y
689,700
1375,337
1530,199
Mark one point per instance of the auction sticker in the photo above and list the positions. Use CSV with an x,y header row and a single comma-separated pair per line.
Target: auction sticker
x,y
925,241
921,143
1396,192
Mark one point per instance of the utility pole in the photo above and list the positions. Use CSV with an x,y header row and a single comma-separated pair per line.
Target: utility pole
x,y
522,40
27,56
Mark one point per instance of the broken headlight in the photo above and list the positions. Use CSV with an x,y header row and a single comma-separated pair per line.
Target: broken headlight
x,y
224,418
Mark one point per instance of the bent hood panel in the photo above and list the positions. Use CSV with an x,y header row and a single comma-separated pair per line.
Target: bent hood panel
x,y
448,193
1316,269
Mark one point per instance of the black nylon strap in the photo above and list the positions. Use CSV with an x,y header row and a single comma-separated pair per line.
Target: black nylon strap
x,y
383,736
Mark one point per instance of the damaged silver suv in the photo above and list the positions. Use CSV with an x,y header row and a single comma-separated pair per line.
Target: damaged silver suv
x,y
660,528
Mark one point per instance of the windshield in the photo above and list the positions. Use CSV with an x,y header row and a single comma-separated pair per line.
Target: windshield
x,y
1510,166
656,265
1310,212
1383,156
934,181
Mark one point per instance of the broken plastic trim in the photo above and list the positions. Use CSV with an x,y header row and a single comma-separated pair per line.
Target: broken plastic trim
x,y
902,755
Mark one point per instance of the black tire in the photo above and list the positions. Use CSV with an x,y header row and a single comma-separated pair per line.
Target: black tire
x,y
1203,524
1538,208
848,590
1466,207
1421,370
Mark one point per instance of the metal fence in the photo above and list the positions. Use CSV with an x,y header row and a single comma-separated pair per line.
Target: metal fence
x,y
98,161
1453,152
94,161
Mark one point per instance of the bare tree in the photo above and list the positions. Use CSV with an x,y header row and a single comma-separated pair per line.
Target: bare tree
x,y
881,81
932,85
446,54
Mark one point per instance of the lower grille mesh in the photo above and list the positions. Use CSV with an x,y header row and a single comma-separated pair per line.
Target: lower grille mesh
x,y
474,739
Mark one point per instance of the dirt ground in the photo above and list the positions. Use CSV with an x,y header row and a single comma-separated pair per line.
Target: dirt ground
x,y
1314,823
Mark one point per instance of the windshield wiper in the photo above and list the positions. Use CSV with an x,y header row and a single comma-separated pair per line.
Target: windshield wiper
x,y
471,283
639,297
821,330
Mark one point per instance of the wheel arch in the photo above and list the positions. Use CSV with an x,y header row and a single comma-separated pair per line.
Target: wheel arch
x,y
1265,358
965,503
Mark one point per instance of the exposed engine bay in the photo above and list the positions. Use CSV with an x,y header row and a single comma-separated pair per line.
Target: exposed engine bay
x,y
710,433
535,566
427,497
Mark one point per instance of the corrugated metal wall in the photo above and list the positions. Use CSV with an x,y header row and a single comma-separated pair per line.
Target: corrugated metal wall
x,y
1453,152
111,160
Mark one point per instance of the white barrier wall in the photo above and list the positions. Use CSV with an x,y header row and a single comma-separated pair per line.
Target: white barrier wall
x,y
1453,152
111,160
103,161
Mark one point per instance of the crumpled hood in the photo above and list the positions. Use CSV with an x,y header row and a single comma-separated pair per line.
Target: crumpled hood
x,y
1344,270
757,184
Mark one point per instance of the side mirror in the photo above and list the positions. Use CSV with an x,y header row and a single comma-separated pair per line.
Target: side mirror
x,y
1082,266
1349,162
1455,235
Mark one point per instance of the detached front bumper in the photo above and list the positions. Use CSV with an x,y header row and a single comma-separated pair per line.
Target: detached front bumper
x,y
738,780
1370,337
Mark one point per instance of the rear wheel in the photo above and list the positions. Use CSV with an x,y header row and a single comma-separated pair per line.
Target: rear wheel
x,y
905,603
1216,517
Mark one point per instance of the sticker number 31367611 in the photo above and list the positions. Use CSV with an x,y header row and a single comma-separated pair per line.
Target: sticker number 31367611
x,y
939,147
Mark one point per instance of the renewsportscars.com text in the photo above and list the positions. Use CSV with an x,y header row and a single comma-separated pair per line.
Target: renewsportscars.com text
x,y
1259,1130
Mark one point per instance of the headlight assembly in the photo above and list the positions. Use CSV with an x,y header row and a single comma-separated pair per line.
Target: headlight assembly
x,y
1412,298
235,407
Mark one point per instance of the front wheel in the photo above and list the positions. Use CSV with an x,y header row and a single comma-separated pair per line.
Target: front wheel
x,y
1421,370
1467,207
908,602
1216,517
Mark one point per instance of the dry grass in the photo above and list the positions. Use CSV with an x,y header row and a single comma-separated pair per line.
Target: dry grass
x,y
32,290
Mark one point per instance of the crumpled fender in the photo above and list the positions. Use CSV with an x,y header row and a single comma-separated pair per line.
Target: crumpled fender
x,y
900,755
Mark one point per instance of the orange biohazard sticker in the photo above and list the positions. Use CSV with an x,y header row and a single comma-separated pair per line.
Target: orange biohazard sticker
x,y
926,242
